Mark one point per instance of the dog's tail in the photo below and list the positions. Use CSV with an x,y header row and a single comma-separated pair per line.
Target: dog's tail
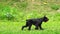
x,y
26,20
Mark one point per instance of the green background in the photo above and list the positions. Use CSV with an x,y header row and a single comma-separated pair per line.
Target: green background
x,y
13,15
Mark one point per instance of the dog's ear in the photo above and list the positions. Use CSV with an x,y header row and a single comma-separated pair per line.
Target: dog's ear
x,y
44,15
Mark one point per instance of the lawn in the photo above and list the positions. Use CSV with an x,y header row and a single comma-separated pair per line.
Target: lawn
x,y
13,15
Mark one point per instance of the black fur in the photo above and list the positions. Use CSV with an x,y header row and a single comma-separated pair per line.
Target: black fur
x,y
37,22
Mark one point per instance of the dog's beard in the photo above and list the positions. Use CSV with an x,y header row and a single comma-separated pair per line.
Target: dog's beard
x,y
45,20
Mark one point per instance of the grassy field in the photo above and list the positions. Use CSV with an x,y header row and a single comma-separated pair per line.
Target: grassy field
x,y
13,15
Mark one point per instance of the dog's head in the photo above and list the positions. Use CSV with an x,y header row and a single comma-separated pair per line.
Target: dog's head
x,y
45,19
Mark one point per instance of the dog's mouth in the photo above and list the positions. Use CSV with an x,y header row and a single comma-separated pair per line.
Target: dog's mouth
x,y
45,20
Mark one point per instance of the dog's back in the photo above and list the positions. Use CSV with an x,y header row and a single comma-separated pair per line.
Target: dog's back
x,y
34,21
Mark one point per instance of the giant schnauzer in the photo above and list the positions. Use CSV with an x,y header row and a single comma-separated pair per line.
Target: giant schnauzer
x,y
37,22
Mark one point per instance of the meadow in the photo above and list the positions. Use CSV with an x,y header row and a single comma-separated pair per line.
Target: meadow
x,y
13,15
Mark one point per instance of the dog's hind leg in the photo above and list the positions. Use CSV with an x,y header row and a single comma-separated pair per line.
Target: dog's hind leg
x,y
36,28
29,27
24,27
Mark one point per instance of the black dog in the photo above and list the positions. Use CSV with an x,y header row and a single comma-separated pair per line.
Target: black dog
x,y
36,22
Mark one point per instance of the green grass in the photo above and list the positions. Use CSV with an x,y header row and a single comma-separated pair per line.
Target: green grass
x,y
54,6
51,27
25,10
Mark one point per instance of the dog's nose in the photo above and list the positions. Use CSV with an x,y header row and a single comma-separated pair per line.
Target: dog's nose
x,y
48,19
